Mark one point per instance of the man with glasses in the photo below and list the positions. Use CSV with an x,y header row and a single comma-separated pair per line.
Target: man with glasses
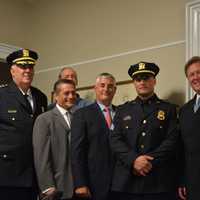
x,y
20,104
144,140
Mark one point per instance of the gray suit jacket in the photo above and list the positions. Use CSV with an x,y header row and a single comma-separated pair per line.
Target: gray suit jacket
x,y
51,152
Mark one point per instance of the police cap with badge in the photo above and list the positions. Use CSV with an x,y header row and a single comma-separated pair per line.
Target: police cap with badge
x,y
22,58
143,70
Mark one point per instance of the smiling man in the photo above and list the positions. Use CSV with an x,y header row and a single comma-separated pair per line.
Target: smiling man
x,y
92,160
144,140
20,104
51,144
189,126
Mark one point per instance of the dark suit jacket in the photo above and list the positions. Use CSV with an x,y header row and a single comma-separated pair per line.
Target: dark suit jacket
x,y
152,132
190,135
90,150
51,136
16,123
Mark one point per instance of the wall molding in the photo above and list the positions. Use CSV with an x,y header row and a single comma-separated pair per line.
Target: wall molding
x,y
6,49
114,56
192,36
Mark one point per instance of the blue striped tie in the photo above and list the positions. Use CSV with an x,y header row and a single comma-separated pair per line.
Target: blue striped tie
x,y
196,106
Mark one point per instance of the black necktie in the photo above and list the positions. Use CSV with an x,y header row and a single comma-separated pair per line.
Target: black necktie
x,y
28,104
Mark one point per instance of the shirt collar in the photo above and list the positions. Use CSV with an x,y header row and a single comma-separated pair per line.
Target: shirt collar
x,y
61,109
103,106
28,92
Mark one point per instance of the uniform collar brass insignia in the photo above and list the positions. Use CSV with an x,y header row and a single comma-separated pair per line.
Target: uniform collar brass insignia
x,y
161,115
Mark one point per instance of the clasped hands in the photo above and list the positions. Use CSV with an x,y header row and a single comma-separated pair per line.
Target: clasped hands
x,y
142,165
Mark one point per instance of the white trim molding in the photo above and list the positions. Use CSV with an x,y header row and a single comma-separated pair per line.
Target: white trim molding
x,y
6,49
192,36
113,56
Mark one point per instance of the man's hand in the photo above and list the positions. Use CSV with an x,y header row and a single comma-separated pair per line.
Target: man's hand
x,y
50,194
182,193
83,192
142,165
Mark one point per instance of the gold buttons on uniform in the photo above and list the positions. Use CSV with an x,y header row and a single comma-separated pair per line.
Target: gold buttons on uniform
x,y
142,146
126,127
144,121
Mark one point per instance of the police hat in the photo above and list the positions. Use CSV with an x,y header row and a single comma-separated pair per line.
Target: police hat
x,y
143,68
22,57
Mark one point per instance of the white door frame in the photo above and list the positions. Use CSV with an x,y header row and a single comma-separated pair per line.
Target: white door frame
x,y
192,36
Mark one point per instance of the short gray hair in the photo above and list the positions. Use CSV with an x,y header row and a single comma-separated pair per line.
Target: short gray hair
x,y
106,75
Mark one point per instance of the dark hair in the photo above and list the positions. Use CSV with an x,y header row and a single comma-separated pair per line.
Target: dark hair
x,y
194,59
56,87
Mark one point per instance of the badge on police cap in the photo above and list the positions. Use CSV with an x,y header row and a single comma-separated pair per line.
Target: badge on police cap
x,y
161,115
141,66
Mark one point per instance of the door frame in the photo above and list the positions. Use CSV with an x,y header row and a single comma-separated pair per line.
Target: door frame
x,y
192,37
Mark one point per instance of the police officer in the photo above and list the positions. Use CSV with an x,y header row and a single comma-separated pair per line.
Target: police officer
x,y
144,140
20,104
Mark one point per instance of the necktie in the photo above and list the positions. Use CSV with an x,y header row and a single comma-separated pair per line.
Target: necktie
x,y
28,104
196,106
108,116
69,118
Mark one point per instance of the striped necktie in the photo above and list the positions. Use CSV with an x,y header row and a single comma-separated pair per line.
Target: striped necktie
x,y
196,105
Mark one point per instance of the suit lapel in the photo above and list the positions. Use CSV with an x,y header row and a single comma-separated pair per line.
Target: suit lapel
x,y
192,104
60,118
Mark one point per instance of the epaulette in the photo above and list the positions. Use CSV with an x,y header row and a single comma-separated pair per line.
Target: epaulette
x,y
3,85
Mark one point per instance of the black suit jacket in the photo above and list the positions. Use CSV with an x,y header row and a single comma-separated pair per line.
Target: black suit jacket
x,y
190,135
92,160
149,129
16,124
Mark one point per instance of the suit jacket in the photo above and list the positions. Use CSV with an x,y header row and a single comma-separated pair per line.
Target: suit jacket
x,y
92,160
148,128
51,136
190,135
16,123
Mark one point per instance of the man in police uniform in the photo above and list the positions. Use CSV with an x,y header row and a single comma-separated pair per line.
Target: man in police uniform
x,y
20,104
144,140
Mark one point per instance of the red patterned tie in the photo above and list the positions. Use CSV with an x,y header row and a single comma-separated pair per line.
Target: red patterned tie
x,y
108,116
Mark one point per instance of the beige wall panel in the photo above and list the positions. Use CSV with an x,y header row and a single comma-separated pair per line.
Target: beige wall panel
x,y
171,79
67,31
15,22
